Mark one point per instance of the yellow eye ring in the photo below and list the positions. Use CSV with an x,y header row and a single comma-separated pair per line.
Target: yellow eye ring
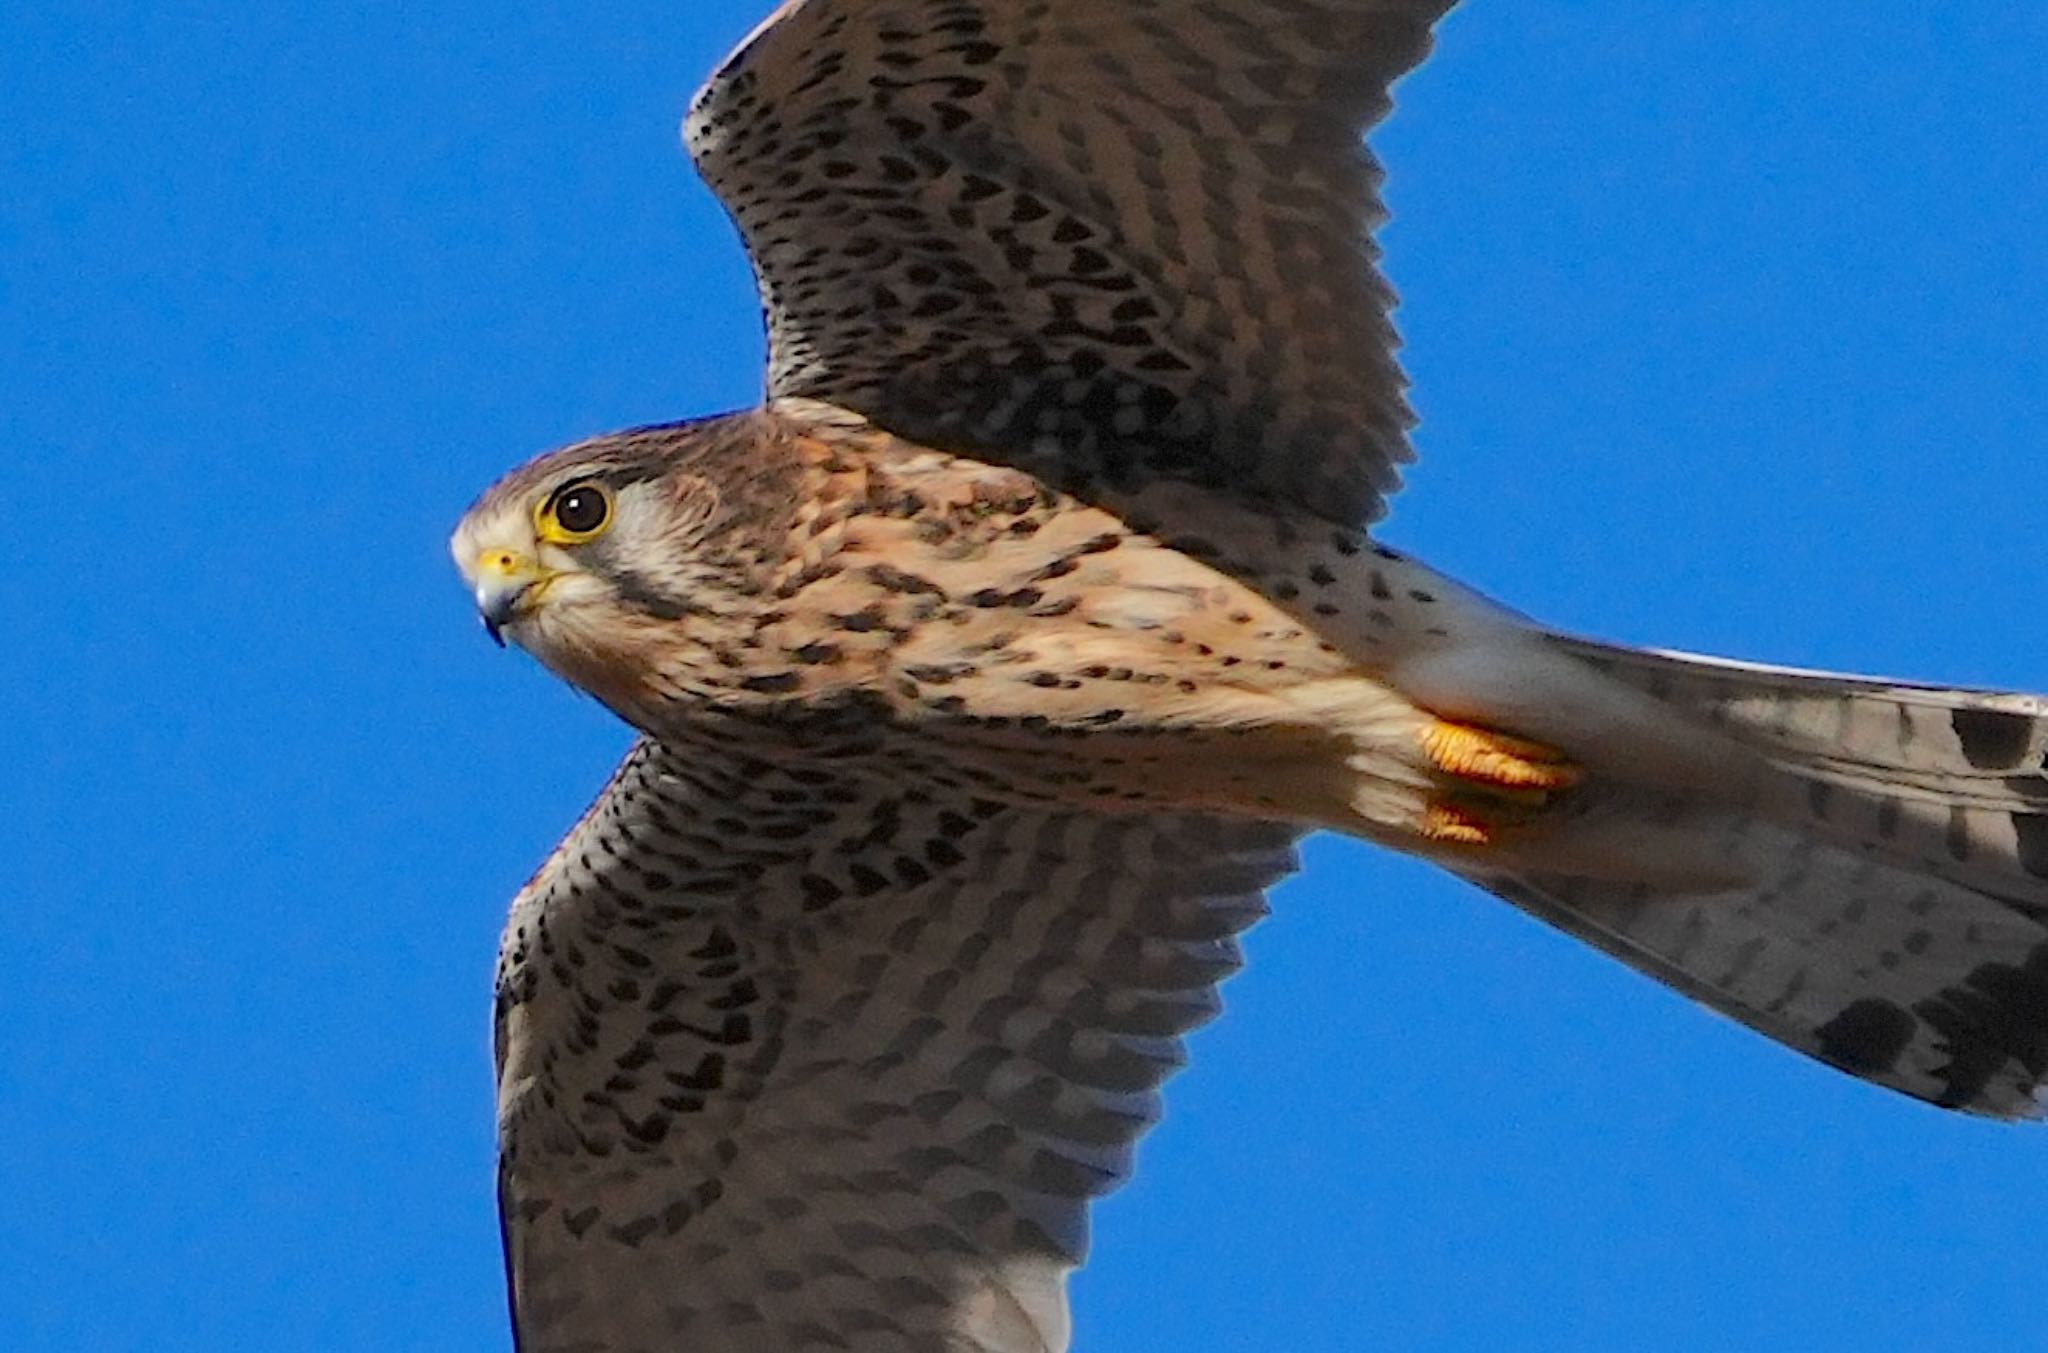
x,y
578,511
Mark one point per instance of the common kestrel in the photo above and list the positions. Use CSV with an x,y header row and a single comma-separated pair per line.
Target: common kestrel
x,y
986,675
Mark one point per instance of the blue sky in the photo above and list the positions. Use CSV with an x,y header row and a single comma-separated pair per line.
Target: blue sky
x,y
1727,324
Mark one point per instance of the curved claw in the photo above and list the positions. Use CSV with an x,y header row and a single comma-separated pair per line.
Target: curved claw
x,y
1497,781
1448,822
1495,760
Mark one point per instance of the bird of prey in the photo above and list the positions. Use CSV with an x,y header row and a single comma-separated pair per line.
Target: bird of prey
x,y
987,673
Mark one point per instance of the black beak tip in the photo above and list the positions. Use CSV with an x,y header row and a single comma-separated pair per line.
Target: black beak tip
x,y
491,628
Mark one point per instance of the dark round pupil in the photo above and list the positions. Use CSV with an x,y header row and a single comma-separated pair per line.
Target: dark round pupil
x,y
580,510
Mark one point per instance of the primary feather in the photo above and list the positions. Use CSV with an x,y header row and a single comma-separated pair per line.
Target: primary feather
x,y
791,1058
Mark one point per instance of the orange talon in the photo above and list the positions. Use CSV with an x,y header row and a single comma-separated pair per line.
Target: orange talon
x,y
1442,822
1495,759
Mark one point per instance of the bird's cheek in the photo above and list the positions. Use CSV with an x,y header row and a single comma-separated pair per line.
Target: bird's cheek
x,y
597,652
696,503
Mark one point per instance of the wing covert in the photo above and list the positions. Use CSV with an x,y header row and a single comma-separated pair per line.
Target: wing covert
x,y
1114,235
786,1058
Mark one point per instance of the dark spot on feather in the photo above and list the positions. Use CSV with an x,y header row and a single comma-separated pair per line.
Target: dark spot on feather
x,y
1817,796
1867,1037
648,1131
731,1030
989,597
1993,739
1997,1014
637,1229
718,944
1958,833
862,621
940,674
2032,831
893,579
709,1074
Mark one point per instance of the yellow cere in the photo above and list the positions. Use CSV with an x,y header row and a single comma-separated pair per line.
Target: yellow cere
x,y
502,563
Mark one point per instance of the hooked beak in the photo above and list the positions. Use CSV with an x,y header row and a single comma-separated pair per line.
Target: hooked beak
x,y
505,586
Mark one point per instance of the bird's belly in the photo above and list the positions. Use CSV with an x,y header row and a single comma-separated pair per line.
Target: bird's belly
x,y
1048,649
964,623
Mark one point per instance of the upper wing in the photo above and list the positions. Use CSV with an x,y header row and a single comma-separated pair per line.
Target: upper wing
x,y
786,1059
1122,232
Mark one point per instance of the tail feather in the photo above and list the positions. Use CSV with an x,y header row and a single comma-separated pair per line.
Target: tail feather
x,y
1945,737
1954,779
1893,914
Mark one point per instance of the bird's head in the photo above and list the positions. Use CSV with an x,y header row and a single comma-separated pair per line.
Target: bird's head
x,y
618,558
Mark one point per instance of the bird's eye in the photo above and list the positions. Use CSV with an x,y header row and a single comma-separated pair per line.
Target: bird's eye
x,y
576,512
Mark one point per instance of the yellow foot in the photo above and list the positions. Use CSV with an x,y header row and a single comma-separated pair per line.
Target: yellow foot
x,y
1495,760
1445,822
1496,782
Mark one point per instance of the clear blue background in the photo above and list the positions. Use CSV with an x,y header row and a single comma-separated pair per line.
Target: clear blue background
x,y
1728,324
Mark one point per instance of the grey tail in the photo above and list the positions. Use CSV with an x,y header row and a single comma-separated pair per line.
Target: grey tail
x,y
1885,910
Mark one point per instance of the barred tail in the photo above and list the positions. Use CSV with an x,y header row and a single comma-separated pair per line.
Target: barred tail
x,y
1884,908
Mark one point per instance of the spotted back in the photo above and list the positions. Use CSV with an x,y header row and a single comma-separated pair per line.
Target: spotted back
x,y
1117,235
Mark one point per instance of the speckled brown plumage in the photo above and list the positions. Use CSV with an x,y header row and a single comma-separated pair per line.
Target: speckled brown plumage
x,y
987,673
1133,236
